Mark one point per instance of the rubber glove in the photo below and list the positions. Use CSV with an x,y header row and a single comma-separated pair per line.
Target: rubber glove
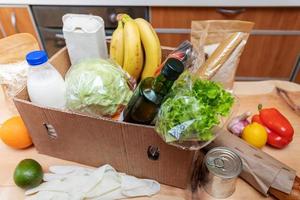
x,y
61,172
74,184
78,183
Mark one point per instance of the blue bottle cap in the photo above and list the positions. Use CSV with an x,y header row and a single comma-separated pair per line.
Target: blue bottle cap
x,y
36,57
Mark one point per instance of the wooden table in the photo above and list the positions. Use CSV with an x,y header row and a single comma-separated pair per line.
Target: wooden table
x,y
261,92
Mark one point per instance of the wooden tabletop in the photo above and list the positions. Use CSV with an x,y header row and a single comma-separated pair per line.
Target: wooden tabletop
x,y
250,94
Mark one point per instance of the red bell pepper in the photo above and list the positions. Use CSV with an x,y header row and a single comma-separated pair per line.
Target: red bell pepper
x,y
275,121
280,131
273,139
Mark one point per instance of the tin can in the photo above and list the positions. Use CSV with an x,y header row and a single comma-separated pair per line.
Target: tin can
x,y
220,169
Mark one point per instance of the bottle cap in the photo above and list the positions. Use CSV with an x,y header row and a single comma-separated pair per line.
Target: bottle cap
x,y
172,69
36,57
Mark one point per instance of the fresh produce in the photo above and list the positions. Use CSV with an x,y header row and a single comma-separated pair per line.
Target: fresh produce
x,y
133,52
274,120
237,124
97,87
117,45
273,139
280,131
192,109
255,134
131,37
14,133
152,48
28,174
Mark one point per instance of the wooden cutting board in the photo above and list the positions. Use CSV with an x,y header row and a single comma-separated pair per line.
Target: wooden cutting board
x,y
14,48
265,93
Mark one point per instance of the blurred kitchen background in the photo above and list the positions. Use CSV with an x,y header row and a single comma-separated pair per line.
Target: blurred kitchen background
x,y
272,51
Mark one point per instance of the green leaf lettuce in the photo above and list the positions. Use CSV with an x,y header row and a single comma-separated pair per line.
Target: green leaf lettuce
x,y
192,109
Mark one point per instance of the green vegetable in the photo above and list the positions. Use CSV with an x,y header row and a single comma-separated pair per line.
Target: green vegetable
x,y
192,109
97,87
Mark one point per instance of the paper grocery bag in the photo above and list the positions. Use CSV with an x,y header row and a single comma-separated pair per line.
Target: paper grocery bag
x,y
210,34
260,170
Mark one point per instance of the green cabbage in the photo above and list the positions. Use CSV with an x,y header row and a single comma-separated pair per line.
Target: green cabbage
x,y
97,87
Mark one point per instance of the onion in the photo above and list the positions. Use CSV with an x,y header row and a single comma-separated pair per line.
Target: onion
x,y
238,123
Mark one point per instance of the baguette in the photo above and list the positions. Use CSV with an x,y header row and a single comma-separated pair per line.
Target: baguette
x,y
220,56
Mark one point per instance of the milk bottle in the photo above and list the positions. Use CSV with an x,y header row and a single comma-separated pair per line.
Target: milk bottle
x,y
45,85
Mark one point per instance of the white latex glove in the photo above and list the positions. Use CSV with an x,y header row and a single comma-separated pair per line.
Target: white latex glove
x,y
132,186
60,172
75,184
78,183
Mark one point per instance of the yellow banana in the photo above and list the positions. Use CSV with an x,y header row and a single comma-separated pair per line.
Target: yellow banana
x,y
133,52
117,45
152,47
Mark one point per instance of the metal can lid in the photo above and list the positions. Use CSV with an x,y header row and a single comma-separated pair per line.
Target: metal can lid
x,y
223,162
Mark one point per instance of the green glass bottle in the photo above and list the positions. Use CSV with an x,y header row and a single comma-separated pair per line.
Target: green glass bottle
x,y
148,96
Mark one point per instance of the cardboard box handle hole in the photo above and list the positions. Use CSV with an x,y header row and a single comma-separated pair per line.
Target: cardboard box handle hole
x,y
50,131
153,152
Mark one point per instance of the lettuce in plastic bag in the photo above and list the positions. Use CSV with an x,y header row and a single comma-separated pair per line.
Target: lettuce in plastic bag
x,y
97,87
192,109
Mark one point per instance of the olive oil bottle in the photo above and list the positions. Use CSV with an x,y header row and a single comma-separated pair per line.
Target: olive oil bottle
x,y
148,96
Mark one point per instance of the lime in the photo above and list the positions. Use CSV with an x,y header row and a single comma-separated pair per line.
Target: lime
x,y
28,174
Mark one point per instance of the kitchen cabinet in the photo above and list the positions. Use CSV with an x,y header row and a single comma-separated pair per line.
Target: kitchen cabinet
x,y
16,20
298,78
269,56
271,51
297,71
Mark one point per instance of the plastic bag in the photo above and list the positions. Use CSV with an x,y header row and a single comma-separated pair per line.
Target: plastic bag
x,y
13,77
228,48
97,87
193,112
184,52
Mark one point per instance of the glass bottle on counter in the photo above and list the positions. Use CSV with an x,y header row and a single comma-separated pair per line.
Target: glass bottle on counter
x,y
148,96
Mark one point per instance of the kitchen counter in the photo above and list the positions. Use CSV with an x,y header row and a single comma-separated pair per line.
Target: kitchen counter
x,y
261,92
200,3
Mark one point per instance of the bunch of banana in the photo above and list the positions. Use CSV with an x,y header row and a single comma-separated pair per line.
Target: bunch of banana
x,y
127,45
117,45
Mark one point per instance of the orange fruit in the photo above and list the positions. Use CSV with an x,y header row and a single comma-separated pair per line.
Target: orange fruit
x,y
14,133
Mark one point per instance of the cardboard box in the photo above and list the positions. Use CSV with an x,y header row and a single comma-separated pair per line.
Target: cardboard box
x,y
97,141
